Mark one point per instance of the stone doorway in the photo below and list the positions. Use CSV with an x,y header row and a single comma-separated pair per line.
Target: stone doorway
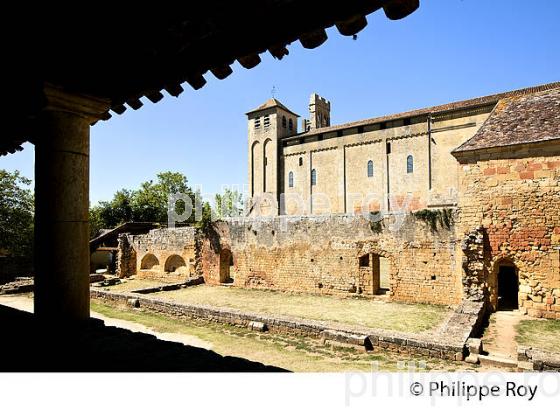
x,y
374,270
226,262
508,287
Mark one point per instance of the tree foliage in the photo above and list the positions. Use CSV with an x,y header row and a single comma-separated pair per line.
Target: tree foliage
x,y
149,203
229,204
16,214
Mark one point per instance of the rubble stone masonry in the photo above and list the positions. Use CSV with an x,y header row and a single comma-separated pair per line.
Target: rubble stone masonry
x,y
511,196
166,254
337,255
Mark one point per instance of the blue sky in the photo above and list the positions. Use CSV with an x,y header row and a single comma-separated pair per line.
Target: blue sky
x,y
447,50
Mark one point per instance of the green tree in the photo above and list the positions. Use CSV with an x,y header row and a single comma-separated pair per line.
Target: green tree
x,y
229,204
16,214
150,202
111,214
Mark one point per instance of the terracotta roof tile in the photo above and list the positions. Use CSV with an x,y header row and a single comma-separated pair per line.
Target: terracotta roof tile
x,y
271,103
519,119
464,104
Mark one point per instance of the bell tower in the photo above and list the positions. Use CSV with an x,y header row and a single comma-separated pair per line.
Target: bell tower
x,y
267,125
319,112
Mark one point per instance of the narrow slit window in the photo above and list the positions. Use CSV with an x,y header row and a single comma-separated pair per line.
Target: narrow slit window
x,y
370,169
313,177
290,124
283,121
291,179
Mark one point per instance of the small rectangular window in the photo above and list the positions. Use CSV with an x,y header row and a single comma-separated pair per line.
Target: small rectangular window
x,y
388,148
364,261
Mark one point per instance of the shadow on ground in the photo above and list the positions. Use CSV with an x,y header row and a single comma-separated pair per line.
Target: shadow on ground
x,y
29,345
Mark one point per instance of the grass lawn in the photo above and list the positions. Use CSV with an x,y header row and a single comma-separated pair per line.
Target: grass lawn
x,y
541,334
128,285
413,318
289,352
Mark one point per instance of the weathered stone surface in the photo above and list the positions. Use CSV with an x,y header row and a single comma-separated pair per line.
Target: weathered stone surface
x,y
474,345
135,303
449,344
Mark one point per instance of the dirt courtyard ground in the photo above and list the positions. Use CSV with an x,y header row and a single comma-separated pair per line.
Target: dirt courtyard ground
x,y
410,318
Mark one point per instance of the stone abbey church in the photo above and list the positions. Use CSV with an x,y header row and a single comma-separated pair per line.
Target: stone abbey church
x,y
409,160
467,194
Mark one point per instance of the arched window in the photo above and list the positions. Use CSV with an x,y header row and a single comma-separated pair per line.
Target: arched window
x,y
291,179
283,121
300,161
370,168
290,124
409,164
313,177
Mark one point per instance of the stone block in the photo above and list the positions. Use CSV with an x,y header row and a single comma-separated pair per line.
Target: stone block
x,y
525,365
133,302
474,345
257,326
472,358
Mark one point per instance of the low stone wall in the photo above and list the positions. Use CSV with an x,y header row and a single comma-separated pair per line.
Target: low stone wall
x,y
450,343
533,359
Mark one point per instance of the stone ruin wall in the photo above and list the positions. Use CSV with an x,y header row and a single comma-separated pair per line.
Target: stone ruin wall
x,y
168,255
321,255
510,206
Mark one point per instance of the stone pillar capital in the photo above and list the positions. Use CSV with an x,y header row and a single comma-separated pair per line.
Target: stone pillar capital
x,y
85,106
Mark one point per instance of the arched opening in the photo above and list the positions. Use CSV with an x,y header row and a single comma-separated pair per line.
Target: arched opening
x,y
370,168
409,164
226,262
267,168
255,163
173,263
507,286
149,261
291,179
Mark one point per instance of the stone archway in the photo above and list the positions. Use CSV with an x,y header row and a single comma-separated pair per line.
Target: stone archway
x,y
173,263
149,261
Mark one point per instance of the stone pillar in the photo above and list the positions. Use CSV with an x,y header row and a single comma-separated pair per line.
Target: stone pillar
x,y
61,251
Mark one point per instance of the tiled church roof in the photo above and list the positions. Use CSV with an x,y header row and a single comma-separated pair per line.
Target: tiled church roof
x,y
270,103
519,119
438,109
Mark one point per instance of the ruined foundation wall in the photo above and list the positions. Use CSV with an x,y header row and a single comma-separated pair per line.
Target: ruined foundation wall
x,y
168,255
511,196
126,257
321,255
